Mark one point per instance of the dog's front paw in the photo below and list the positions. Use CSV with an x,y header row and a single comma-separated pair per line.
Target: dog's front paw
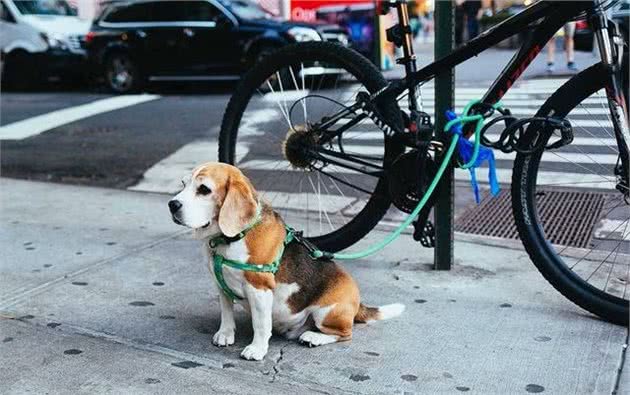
x,y
254,352
223,338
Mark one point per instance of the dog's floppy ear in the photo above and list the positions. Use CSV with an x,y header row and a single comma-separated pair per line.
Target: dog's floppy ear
x,y
239,206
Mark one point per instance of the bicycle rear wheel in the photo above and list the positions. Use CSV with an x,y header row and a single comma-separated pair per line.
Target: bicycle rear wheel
x,y
573,223
268,132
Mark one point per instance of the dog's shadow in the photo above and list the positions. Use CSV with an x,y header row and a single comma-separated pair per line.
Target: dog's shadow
x,y
208,325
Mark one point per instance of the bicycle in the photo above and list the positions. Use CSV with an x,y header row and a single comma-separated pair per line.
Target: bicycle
x,y
289,114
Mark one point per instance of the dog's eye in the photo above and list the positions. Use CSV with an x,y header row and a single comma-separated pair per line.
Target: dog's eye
x,y
203,190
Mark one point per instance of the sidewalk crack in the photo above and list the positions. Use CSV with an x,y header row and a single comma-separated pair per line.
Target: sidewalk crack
x,y
275,367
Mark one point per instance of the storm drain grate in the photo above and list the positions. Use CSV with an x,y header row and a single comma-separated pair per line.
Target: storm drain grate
x,y
568,217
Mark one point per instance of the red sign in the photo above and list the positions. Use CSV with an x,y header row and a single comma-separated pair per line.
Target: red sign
x,y
306,10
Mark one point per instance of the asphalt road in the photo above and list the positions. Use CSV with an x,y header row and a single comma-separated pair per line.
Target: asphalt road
x,y
111,149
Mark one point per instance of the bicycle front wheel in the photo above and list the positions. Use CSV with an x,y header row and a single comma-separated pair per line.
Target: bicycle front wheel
x,y
334,188
571,218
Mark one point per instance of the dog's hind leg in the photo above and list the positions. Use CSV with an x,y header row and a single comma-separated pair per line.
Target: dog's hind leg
x,y
334,312
334,322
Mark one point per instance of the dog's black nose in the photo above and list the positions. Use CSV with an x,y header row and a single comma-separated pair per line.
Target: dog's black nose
x,y
174,205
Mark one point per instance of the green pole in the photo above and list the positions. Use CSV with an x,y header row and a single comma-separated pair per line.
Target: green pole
x,y
444,99
377,36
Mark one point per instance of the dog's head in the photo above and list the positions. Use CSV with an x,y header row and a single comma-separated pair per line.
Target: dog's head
x,y
217,198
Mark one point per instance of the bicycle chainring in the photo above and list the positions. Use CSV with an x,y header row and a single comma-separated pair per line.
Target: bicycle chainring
x,y
406,185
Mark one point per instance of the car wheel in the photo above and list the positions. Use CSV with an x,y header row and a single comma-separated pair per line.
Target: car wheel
x,y
19,71
121,73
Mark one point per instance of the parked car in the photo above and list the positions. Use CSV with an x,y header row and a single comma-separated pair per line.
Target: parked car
x,y
134,42
40,38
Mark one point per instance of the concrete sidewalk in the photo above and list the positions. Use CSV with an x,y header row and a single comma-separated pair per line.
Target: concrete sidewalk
x,y
101,293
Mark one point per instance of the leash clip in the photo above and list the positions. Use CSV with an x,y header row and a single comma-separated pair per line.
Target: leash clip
x,y
313,251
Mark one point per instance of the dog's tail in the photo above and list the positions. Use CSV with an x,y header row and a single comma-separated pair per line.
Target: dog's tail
x,y
366,314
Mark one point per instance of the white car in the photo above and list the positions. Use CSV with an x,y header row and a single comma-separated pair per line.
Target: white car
x,y
40,39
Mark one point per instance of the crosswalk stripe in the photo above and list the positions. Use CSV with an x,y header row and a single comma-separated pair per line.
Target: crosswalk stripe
x,y
373,134
552,156
355,136
514,102
577,180
531,111
41,123
547,178
166,175
287,200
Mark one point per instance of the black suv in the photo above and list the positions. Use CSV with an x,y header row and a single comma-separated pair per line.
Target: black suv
x,y
180,40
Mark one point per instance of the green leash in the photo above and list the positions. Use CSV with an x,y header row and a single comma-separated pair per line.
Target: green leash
x,y
220,261
465,118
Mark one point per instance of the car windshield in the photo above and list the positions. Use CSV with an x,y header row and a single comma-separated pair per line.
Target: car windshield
x,y
45,7
247,10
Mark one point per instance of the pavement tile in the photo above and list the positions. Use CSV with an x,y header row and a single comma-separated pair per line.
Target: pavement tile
x,y
54,231
40,360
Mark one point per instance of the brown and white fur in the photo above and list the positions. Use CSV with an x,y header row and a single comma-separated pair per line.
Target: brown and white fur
x,y
316,302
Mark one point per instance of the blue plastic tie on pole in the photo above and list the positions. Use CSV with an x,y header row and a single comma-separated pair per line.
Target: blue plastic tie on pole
x,y
465,148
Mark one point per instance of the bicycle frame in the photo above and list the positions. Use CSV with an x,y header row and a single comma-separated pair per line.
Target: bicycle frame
x,y
552,15
555,15
545,18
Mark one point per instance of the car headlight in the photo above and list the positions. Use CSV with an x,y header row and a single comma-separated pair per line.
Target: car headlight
x,y
302,34
54,41
343,40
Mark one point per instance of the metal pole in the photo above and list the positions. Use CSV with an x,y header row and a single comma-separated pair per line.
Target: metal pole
x,y
444,99
377,37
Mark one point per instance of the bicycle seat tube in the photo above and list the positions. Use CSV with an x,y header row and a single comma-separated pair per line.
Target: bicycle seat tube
x,y
409,58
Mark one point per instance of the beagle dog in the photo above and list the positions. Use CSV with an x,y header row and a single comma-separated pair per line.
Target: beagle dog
x,y
315,301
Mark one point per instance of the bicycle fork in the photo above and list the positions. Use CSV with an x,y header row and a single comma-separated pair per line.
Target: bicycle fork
x,y
612,58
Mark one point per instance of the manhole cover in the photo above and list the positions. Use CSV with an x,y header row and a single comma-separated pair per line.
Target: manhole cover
x,y
568,217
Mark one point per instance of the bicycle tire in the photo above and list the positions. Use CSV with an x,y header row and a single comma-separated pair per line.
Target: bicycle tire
x,y
368,75
524,175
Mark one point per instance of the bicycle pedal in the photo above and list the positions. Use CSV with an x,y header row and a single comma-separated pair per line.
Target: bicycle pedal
x,y
426,235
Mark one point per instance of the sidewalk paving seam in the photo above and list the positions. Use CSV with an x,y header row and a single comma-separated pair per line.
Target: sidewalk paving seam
x,y
210,364
624,350
48,284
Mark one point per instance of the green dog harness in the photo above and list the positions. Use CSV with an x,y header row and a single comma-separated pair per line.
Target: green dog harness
x,y
220,260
